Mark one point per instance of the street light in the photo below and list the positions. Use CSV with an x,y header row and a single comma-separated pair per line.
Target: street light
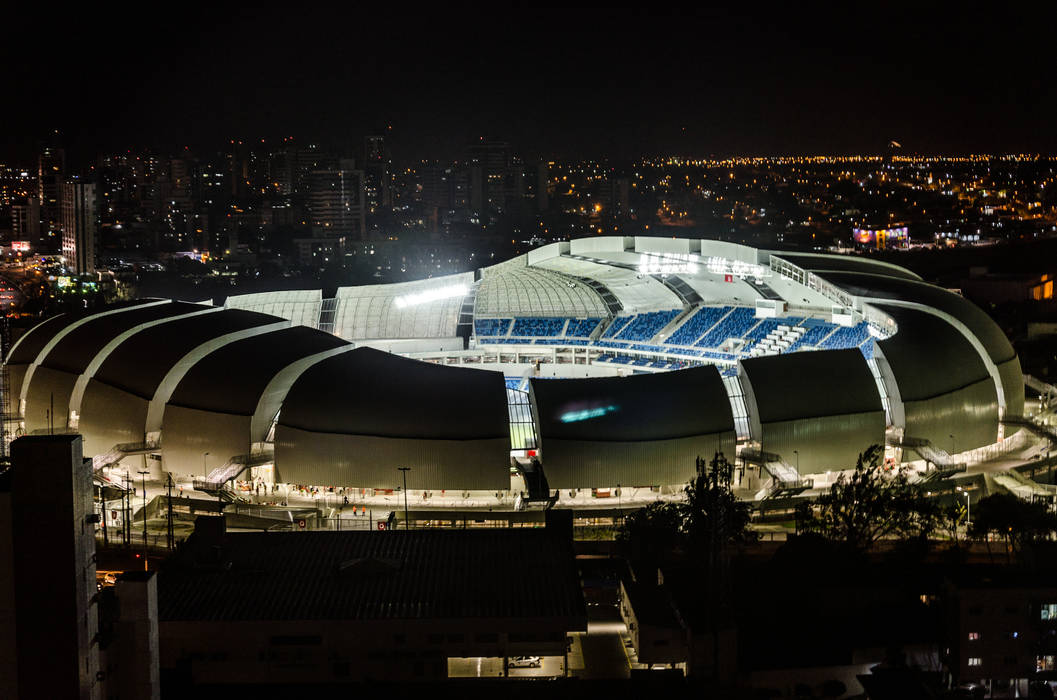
x,y
952,445
143,473
968,507
797,453
205,472
404,471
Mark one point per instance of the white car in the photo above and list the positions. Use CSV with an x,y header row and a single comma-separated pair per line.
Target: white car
x,y
524,662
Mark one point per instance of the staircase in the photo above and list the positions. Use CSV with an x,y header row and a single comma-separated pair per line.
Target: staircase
x,y
216,482
1034,425
785,481
944,465
120,451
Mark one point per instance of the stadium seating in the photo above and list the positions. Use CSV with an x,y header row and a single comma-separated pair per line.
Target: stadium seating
x,y
582,328
815,333
645,326
736,324
847,337
491,326
538,327
695,326
618,324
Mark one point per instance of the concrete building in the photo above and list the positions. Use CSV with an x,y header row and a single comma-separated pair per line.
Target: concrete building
x,y
47,531
246,609
80,226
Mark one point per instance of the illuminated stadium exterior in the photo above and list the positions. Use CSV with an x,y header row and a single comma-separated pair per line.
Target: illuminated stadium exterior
x,y
613,360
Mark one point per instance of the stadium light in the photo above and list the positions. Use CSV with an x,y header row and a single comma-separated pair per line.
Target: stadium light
x,y
455,290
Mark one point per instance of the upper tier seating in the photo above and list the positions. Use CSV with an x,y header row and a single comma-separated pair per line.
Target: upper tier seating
x,y
538,327
645,326
695,326
735,325
582,328
491,326
847,337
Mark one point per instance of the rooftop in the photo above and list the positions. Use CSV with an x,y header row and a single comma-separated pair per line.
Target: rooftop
x,y
393,575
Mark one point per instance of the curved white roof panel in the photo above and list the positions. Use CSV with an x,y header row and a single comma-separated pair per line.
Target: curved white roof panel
x,y
299,306
422,309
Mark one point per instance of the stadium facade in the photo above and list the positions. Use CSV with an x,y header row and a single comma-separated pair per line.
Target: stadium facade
x,y
613,360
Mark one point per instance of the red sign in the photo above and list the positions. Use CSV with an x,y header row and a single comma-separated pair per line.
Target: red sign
x,y
381,526
728,278
301,524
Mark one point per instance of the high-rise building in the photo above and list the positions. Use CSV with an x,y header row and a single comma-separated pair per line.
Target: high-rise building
x,y
25,220
51,173
47,572
378,173
337,201
490,163
80,223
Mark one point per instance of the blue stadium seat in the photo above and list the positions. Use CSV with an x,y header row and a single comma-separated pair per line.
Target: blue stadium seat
x,y
582,328
617,325
645,326
847,337
735,325
815,333
695,326
538,327
491,326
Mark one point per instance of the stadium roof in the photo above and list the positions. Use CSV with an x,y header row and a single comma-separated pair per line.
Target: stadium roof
x,y
232,378
812,384
165,345
523,574
76,350
660,406
371,392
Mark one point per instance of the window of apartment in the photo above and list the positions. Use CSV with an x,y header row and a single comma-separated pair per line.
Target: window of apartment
x,y
1046,663
975,661
973,636
1048,612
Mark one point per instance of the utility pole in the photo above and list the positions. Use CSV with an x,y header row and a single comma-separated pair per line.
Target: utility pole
x,y
143,473
126,504
171,539
404,471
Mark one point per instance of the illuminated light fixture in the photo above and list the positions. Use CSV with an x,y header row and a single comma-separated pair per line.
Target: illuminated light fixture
x,y
455,290
667,264
738,268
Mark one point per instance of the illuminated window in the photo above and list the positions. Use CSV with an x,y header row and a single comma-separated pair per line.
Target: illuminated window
x,y
975,661
1046,663
973,636
1048,612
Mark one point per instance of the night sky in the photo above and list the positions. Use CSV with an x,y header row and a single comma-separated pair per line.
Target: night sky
x,y
555,82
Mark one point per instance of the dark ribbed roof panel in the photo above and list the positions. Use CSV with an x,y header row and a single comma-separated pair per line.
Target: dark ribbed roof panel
x,y
140,363
978,322
660,406
40,335
80,346
370,392
231,379
928,355
812,384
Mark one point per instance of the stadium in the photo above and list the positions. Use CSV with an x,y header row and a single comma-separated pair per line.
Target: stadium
x,y
576,368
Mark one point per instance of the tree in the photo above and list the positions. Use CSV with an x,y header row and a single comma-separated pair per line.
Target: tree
x,y
869,504
648,536
1020,523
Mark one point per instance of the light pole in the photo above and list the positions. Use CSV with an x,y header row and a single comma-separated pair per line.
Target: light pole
x,y
797,453
205,471
404,471
952,445
143,474
968,508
